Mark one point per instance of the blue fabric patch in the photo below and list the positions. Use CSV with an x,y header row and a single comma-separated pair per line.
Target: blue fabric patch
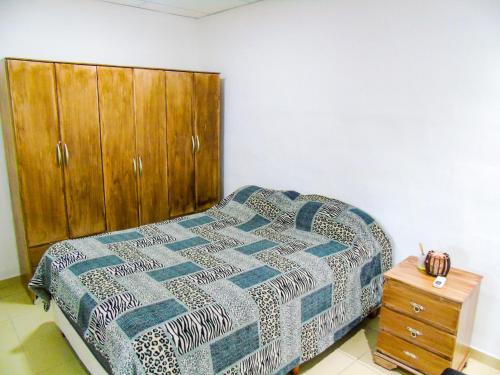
x,y
244,194
174,271
363,215
256,247
285,370
87,304
325,249
184,244
316,302
120,237
190,223
234,347
255,222
142,318
346,329
256,276
87,265
306,214
291,194
370,270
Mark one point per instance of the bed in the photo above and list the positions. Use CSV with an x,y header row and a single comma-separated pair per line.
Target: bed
x,y
258,284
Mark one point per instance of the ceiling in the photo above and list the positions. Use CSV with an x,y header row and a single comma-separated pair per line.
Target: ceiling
x,y
185,8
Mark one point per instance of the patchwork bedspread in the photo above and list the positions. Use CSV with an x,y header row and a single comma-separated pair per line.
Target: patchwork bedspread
x,y
258,284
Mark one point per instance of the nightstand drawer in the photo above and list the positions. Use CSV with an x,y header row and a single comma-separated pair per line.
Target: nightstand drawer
x,y
421,306
411,355
418,333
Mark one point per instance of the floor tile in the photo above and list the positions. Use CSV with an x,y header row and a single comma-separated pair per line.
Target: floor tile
x,y
359,342
367,360
67,368
13,289
357,368
15,362
475,367
8,338
36,324
48,351
328,363
18,305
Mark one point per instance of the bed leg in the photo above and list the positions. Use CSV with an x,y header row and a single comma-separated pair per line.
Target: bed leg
x,y
374,313
295,371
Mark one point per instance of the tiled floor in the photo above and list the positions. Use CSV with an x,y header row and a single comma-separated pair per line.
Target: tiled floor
x,y
30,343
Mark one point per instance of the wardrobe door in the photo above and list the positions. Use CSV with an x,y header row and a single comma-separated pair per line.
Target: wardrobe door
x,y
180,143
81,141
34,105
151,130
207,132
116,106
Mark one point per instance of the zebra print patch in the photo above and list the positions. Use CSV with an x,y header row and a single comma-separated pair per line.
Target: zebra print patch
x,y
198,327
293,284
106,312
332,319
129,268
151,241
209,276
263,361
66,260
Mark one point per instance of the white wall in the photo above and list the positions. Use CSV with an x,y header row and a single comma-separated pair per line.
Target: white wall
x,y
391,105
86,31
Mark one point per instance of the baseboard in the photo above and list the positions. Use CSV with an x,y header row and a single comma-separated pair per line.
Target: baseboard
x,y
10,281
485,358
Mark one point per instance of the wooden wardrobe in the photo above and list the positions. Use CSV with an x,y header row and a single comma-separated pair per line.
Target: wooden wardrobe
x,y
94,148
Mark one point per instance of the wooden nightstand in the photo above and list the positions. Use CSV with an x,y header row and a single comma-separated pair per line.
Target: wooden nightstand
x,y
425,329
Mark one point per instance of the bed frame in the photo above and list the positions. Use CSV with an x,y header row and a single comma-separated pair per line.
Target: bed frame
x,y
88,359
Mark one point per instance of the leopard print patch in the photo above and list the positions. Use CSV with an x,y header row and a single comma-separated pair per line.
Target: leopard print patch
x,y
309,340
192,296
342,233
269,312
274,260
101,284
156,353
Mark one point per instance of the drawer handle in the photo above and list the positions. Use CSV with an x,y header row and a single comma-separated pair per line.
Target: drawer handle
x,y
416,307
414,332
409,354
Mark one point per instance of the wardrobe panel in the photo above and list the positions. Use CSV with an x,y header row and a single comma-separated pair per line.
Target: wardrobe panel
x,y
34,106
151,130
116,104
207,131
180,142
81,138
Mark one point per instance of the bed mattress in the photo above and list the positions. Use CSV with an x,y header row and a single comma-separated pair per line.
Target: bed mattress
x,y
258,284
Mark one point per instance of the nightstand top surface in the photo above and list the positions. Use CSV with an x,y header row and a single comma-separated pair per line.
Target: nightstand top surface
x,y
459,284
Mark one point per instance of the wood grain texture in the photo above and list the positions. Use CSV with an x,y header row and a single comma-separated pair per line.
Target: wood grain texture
x,y
179,92
9,141
116,103
151,130
33,91
444,319
411,355
80,132
438,312
428,337
35,253
207,131
458,286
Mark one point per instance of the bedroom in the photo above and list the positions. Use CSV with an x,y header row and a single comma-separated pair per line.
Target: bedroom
x,y
389,106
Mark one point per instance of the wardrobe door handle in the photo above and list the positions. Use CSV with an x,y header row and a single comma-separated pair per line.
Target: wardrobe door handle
x,y
66,154
135,166
58,153
193,147
198,142
140,166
